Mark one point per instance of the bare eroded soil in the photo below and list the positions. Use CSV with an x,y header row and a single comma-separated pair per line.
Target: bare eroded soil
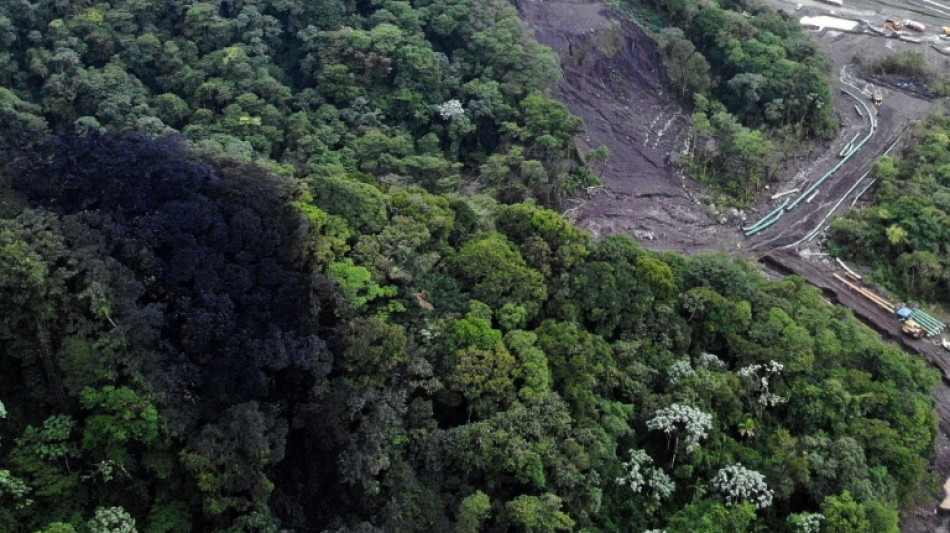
x,y
612,78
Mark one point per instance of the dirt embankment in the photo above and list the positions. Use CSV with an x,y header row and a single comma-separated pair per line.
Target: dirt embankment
x,y
612,78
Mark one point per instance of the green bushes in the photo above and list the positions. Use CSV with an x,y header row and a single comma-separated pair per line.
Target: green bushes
x,y
902,235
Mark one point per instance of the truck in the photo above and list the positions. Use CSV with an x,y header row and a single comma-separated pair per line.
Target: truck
x,y
918,323
913,329
877,96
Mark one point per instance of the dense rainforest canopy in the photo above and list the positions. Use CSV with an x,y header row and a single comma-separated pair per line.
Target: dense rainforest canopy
x,y
423,92
284,266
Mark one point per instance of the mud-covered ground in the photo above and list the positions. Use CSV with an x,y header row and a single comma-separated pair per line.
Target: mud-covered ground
x,y
612,78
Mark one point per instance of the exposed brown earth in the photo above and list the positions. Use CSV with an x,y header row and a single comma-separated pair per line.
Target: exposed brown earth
x,y
612,79
892,119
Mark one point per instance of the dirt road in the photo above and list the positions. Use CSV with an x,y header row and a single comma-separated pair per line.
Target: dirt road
x,y
612,78
835,196
922,518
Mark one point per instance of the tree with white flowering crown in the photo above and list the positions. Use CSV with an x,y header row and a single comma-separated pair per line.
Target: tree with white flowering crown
x,y
694,424
739,484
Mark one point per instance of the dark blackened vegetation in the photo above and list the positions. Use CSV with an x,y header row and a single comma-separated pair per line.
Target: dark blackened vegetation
x,y
149,283
173,353
221,252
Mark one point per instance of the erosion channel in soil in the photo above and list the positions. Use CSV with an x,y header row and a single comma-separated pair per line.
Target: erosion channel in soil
x,y
612,78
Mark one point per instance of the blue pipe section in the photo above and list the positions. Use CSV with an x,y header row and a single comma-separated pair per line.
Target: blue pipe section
x,y
843,161
850,146
774,216
777,210
764,224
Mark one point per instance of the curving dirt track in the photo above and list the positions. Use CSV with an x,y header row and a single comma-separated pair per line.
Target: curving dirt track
x,y
835,196
923,517
612,79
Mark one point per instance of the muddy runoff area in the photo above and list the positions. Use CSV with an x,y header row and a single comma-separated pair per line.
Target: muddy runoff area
x,y
612,78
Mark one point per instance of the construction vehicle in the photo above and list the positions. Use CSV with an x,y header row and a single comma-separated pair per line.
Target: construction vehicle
x,y
877,96
945,30
913,329
918,323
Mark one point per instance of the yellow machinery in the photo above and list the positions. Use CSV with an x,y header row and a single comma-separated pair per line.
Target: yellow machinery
x,y
913,329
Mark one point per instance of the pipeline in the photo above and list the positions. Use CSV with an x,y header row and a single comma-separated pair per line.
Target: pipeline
x,y
927,321
765,224
848,148
860,194
777,210
811,235
771,218
767,220
841,163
